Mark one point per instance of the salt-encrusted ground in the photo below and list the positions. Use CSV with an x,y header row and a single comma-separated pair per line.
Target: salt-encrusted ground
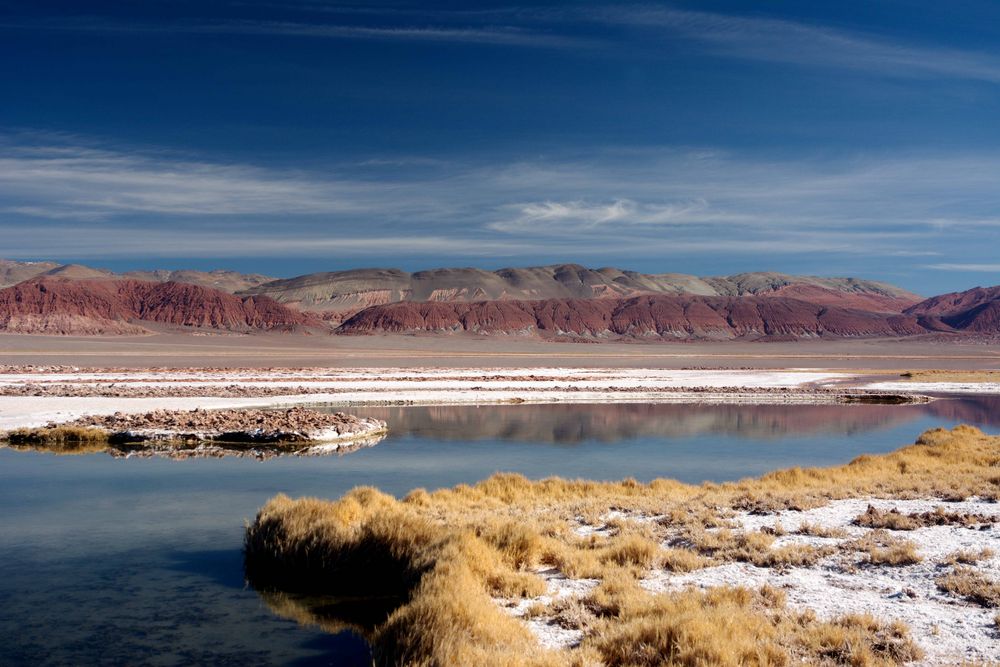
x,y
165,390
949,629
937,387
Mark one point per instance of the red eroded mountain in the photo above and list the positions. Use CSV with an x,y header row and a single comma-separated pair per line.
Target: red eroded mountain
x,y
86,307
680,317
976,310
861,300
341,294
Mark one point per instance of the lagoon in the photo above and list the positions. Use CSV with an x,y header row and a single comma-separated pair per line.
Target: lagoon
x,y
138,561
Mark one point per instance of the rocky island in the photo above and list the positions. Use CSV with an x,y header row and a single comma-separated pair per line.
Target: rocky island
x,y
254,432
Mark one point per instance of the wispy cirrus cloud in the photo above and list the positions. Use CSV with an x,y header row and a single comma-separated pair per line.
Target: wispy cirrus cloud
x,y
974,268
129,240
738,36
807,45
581,215
72,197
87,183
499,35
124,240
589,29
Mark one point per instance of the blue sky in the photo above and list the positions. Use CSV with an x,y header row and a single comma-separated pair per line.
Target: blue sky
x,y
838,138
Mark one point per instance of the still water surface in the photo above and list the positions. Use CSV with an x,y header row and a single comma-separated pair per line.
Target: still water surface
x,y
109,561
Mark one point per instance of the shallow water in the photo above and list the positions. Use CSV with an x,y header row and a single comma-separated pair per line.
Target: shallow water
x,y
109,561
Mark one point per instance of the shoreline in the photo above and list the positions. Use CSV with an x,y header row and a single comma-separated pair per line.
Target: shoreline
x,y
35,398
885,560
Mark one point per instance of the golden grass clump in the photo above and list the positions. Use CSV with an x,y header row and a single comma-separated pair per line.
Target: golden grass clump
x,y
443,557
632,550
731,626
60,439
682,560
861,639
890,520
883,548
968,557
893,519
971,585
755,548
895,555
719,627
816,530
951,376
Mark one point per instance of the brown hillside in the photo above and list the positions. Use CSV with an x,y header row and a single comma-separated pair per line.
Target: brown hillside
x,y
346,292
976,310
13,272
655,317
87,307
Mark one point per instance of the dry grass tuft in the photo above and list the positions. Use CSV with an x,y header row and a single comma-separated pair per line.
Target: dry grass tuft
x,y
62,439
632,550
951,376
891,520
755,548
971,585
445,554
967,557
682,560
896,555
882,548
719,627
860,639
895,520
733,626
815,530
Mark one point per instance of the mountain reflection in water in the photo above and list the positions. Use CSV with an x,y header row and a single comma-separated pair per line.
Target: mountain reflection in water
x,y
569,424
147,551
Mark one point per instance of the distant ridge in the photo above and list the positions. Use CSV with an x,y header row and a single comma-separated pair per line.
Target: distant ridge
x,y
340,294
62,306
13,272
975,310
78,300
652,317
343,293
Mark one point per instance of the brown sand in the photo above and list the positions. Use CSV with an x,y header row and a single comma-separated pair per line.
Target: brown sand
x,y
191,351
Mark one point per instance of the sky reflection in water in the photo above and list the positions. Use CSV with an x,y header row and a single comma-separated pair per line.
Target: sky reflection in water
x,y
138,561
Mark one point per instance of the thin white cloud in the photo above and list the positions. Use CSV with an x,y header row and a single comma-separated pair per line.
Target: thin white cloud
x,y
502,35
59,195
739,36
797,43
85,183
974,268
506,36
732,35
563,216
143,241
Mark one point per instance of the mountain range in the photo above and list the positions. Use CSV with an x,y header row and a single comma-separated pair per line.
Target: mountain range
x,y
91,306
13,272
562,302
342,293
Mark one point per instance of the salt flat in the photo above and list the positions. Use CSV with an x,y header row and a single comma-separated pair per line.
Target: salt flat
x,y
373,386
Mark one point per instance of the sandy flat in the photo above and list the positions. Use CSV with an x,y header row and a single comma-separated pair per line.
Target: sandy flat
x,y
259,351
